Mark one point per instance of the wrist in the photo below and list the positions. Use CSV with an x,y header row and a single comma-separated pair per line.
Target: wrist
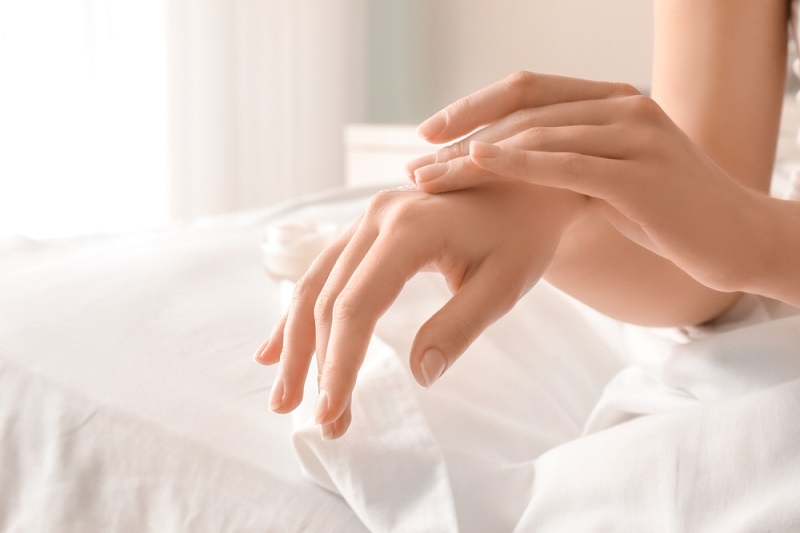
x,y
775,270
565,206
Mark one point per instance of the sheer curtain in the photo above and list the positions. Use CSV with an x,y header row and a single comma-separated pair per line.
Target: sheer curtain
x,y
119,115
259,92
83,130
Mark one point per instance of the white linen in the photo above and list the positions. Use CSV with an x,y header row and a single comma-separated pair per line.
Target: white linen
x,y
525,386
730,466
752,347
128,397
717,453
507,422
128,402
390,469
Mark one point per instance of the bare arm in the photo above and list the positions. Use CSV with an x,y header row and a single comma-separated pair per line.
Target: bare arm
x,y
625,189
708,52
718,72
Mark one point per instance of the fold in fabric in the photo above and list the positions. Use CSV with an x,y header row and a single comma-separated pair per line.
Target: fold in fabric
x,y
717,450
730,466
752,347
388,466
698,432
459,456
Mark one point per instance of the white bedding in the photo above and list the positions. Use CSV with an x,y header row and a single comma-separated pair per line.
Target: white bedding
x,y
128,402
128,397
532,441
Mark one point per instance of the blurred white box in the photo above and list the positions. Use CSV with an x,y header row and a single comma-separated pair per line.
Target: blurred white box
x,y
376,153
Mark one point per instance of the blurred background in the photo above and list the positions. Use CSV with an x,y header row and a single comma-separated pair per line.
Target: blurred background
x,y
119,115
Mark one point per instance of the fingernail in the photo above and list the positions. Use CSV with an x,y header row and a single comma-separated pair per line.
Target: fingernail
x,y
484,150
260,352
432,126
431,172
276,398
417,163
433,365
322,407
420,162
327,431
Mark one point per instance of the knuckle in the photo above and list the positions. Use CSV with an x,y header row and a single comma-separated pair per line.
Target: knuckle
x,y
520,79
642,107
379,202
538,137
453,151
625,89
323,307
303,290
404,214
345,308
521,82
390,210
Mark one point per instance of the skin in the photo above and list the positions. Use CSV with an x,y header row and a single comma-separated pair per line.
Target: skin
x,y
491,243
652,210
639,171
703,51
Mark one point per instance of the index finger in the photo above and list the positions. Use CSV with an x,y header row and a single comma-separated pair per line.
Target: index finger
x,y
518,91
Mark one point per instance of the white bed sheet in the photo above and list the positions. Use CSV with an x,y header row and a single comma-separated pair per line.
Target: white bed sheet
x,y
559,419
459,456
128,402
128,397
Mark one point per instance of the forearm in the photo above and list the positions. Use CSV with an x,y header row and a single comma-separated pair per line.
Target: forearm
x,y
719,71
706,53
718,80
599,266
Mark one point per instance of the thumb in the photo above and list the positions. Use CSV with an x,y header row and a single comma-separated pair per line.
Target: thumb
x,y
480,301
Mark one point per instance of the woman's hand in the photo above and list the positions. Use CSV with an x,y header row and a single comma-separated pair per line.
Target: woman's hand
x,y
492,243
515,104
642,172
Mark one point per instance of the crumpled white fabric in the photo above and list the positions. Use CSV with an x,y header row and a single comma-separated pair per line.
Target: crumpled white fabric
x,y
389,468
465,447
128,403
709,440
559,419
128,398
729,466
752,347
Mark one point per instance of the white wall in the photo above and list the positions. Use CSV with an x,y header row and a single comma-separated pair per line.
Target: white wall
x,y
453,47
